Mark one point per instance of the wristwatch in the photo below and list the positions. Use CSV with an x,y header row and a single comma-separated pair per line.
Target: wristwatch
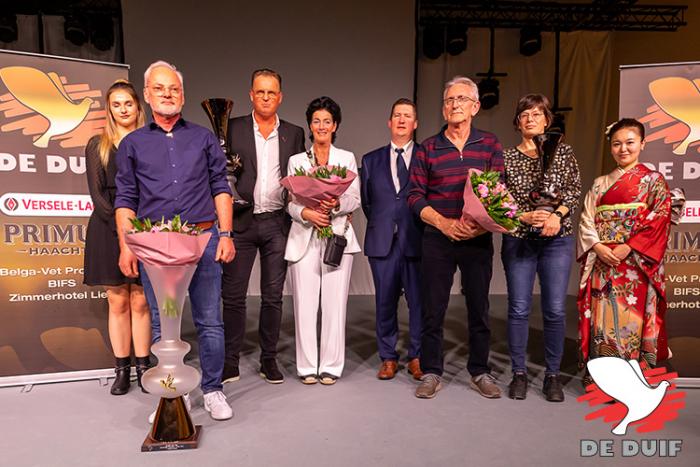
x,y
558,214
225,233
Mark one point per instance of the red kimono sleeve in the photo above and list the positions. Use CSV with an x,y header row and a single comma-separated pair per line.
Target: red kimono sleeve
x,y
650,234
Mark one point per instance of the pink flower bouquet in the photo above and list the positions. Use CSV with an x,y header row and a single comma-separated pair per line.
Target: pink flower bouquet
x,y
166,243
488,203
170,252
321,183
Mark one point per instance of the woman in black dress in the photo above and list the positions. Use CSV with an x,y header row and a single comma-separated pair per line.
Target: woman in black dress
x,y
129,315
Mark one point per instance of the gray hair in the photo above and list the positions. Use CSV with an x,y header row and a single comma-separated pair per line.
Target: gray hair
x,y
462,80
164,64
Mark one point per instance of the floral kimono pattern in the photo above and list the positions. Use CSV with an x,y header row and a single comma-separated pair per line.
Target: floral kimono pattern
x,y
622,308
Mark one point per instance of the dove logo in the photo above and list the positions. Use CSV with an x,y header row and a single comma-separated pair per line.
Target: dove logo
x,y
47,108
624,381
678,108
630,397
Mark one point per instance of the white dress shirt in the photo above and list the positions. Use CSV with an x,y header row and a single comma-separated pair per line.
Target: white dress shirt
x,y
407,150
267,195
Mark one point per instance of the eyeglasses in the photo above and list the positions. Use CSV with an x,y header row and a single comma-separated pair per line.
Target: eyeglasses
x,y
524,116
460,100
162,90
266,94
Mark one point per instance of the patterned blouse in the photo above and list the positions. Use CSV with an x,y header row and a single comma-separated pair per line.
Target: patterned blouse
x,y
522,176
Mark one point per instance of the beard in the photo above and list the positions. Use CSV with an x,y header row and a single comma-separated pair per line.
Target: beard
x,y
166,110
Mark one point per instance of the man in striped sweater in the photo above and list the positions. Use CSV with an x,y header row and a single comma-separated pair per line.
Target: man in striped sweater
x,y
437,180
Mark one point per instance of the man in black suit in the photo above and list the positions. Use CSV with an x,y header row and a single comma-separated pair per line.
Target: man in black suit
x,y
264,143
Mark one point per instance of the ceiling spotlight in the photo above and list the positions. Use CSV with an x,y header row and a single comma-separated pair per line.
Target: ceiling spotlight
x,y
488,92
75,29
433,41
102,32
8,28
530,41
456,39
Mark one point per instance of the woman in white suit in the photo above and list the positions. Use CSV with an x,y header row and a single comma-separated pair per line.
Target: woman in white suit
x,y
305,254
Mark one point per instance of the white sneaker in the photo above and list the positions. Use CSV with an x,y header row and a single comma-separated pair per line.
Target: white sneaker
x,y
188,404
215,403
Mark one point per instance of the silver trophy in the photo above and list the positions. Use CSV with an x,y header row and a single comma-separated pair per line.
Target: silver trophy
x,y
218,110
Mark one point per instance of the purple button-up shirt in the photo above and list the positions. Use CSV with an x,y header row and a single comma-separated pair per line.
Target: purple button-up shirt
x,y
161,174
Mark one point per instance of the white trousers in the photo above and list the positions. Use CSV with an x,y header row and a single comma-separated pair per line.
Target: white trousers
x,y
314,282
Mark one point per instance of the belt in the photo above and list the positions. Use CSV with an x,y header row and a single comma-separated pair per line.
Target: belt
x,y
205,225
268,215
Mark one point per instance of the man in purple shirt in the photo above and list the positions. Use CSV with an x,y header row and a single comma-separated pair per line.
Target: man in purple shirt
x,y
438,177
168,167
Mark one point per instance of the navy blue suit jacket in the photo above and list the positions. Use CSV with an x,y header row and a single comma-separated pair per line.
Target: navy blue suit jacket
x,y
385,208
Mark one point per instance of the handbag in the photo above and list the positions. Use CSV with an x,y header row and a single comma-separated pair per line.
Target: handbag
x,y
334,250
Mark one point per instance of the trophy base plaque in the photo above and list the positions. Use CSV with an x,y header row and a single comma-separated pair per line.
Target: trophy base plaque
x,y
172,428
151,445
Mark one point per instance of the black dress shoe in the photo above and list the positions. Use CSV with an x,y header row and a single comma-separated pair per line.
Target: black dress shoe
x,y
517,389
552,389
230,374
270,372
122,380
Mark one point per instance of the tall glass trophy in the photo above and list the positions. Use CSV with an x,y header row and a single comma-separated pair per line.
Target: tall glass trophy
x,y
546,197
170,258
218,110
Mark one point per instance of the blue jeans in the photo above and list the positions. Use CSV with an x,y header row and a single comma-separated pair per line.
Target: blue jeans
x,y
551,260
205,298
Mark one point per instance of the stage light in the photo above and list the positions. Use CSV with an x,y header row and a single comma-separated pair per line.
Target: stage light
x,y
488,92
530,41
75,29
8,28
102,32
433,41
456,39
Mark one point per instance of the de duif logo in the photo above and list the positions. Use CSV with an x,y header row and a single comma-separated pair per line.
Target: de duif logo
x,y
675,115
46,107
624,395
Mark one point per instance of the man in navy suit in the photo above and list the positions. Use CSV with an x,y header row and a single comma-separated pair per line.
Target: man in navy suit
x,y
393,238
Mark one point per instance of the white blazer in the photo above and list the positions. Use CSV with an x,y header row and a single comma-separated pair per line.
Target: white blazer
x,y
301,231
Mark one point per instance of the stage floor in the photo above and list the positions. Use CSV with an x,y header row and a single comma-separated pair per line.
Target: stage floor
x,y
359,421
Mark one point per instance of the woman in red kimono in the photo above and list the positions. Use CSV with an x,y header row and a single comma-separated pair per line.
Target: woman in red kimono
x,y
621,244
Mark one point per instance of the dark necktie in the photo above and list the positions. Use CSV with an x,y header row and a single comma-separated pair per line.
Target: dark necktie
x,y
401,169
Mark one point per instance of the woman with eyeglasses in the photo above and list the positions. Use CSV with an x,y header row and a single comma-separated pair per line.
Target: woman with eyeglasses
x,y
543,245
129,316
315,283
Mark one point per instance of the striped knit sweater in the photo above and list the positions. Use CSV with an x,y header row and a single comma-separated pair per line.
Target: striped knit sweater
x,y
439,171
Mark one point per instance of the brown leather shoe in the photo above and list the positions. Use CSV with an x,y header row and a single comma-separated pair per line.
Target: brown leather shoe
x,y
414,368
485,384
388,369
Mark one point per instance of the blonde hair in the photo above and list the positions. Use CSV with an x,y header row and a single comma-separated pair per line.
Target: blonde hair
x,y
110,135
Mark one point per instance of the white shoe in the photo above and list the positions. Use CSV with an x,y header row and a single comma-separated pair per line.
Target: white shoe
x,y
188,404
215,403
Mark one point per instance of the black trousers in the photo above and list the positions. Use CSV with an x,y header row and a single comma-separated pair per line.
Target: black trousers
x,y
268,235
440,259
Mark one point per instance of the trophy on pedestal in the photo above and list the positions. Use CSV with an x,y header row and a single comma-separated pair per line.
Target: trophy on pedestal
x,y
547,195
218,110
170,258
